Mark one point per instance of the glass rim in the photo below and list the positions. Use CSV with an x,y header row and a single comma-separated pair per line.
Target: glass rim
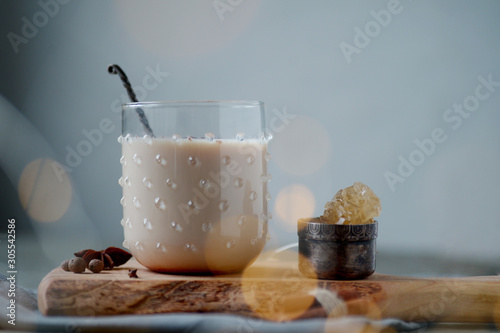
x,y
194,102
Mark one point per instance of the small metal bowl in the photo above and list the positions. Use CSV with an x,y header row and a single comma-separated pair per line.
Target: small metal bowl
x,y
336,251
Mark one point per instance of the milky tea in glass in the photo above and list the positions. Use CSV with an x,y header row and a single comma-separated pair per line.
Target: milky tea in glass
x,y
195,190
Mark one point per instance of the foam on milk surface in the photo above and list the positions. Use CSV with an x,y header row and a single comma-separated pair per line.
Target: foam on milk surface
x,y
194,204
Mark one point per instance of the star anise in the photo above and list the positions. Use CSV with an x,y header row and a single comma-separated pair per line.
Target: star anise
x,y
133,273
111,257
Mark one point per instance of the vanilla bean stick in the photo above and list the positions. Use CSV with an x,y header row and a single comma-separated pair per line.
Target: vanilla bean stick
x,y
115,69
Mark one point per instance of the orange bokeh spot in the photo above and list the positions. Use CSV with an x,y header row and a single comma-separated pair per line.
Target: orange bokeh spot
x,y
275,289
294,202
45,190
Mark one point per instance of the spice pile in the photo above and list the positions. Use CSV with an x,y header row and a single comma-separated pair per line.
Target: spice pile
x,y
96,261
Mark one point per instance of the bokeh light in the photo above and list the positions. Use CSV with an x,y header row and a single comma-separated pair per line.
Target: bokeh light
x,y
302,146
184,28
230,245
45,190
294,202
274,289
333,305
496,314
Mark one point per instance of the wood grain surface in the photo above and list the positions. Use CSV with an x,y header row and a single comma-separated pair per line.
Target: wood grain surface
x,y
273,290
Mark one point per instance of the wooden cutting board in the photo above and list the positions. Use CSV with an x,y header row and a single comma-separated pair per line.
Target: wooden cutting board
x,y
273,290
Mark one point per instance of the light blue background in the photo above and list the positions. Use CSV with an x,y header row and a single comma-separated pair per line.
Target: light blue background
x,y
352,120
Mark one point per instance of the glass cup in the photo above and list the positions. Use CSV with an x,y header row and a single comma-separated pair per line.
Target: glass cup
x,y
195,184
